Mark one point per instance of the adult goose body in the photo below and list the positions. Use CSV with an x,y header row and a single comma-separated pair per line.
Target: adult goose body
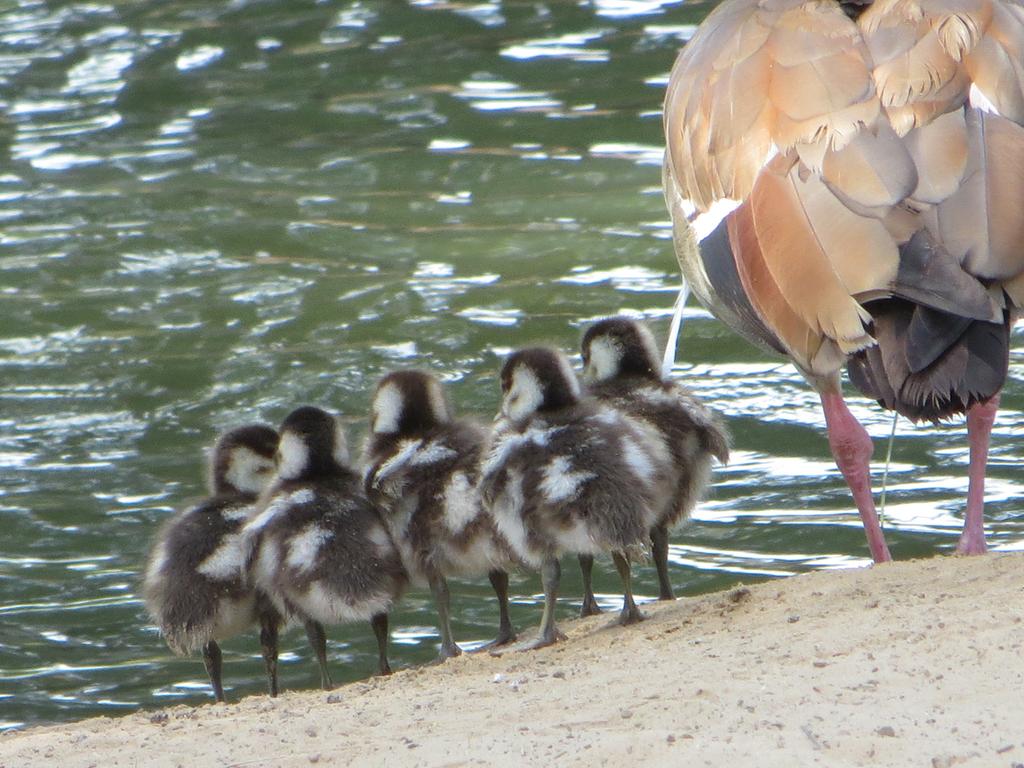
x,y
845,181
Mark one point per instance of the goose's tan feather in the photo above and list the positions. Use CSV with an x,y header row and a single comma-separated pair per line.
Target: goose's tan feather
x,y
981,222
840,140
796,335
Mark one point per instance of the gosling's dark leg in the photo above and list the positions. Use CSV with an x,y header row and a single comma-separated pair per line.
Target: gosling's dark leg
x,y
212,660
630,613
506,632
442,599
590,606
380,631
269,625
659,550
548,634
318,642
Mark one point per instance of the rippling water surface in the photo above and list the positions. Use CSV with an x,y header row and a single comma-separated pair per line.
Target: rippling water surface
x,y
212,212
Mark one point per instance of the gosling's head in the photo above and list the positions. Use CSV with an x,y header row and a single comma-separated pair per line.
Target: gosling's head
x,y
406,402
242,460
536,379
312,443
619,346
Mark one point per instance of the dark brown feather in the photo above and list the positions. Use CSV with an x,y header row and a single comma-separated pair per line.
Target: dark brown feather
x,y
893,182
965,368
928,275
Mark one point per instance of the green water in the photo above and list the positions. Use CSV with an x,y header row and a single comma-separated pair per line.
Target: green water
x,y
213,212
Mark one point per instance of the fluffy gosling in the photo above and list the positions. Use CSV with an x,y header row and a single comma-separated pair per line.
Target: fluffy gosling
x,y
421,471
565,473
319,548
196,585
622,369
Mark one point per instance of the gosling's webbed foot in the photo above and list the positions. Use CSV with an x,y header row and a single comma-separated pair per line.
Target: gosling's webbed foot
x,y
447,652
548,632
630,615
503,639
589,607
505,636
506,632
541,641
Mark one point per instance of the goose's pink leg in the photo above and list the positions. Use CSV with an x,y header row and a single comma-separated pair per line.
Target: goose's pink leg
x,y
980,418
852,449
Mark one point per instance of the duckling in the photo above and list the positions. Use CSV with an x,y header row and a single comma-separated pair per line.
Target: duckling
x,y
622,368
320,549
566,473
421,471
196,586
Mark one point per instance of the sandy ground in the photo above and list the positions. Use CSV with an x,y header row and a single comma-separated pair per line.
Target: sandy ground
x,y
911,664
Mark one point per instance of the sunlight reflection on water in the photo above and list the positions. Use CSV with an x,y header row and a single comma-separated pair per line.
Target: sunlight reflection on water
x,y
212,214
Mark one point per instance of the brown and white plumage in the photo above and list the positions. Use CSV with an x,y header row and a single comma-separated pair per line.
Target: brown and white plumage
x,y
566,474
845,183
421,466
622,369
197,586
319,549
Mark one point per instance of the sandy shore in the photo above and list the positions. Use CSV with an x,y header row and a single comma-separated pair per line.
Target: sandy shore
x,y
911,664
